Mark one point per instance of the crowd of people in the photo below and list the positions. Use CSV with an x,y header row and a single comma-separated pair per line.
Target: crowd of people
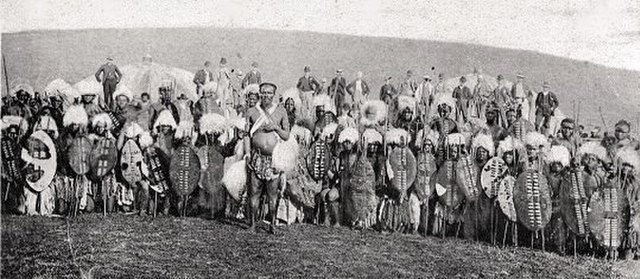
x,y
481,163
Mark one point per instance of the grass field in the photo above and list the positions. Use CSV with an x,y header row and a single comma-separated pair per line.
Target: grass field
x,y
168,247
41,56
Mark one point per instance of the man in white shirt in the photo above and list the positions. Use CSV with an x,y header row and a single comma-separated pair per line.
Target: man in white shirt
x,y
359,90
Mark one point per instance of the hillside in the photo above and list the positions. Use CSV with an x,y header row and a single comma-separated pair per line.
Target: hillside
x,y
168,247
41,56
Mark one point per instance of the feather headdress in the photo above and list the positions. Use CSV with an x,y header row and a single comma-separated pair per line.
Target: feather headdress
x,y
75,115
122,90
456,139
145,140
213,123
185,129
329,130
558,153
301,134
24,87
132,130
396,136
629,156
13,120
56,87
89,87
239,123
165,118
373,112
293,94
509,144
593,148
371,136
251,88
484,141
446,99
432,136
102,118
349,134
210,87
325,101
536,139
406,102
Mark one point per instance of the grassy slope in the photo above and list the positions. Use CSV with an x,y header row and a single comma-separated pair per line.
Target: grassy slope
x,y
143,247
44,55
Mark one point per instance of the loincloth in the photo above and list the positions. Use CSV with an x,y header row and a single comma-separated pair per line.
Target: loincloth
x,y
262,166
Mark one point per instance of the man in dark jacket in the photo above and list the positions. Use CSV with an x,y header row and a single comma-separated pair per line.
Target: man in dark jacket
x,y
203,76
546,104
111,76
308,83
462,94
388,92
253,77
337,89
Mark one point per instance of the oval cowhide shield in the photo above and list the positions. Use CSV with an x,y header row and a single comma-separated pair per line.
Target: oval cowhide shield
x,y
104,157
467,177
158,163
505,198
403,165
131,162
426,169
40,160
608,214
318,160
10,160
211,164
532,199
184,170
575,190
491,175
446,187
78,155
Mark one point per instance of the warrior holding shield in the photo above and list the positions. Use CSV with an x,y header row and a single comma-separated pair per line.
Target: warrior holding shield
x,y
268,125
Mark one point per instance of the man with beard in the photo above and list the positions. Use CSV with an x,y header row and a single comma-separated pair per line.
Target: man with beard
x,y
203,76
517,126
409,86
268,124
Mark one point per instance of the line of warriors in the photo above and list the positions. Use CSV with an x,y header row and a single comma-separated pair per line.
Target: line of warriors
x,y
391,166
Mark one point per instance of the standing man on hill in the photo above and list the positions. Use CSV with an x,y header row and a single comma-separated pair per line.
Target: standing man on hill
x,y
462,94
546,104
308,86
224,83
202,77
111,76
253,77
337,89
408,86
388,92
359,90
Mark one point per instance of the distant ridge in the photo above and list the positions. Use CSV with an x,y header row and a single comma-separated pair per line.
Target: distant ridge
x,y
41,56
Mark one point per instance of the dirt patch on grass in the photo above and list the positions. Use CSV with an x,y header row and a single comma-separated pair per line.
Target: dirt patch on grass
x,y
143,247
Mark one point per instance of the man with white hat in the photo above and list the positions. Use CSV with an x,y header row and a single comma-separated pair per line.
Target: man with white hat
x,y
111,76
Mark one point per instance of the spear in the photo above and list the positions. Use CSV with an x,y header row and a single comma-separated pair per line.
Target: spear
x,y
6,77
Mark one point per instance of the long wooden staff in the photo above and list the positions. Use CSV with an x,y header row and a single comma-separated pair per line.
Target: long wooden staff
x,y
6,75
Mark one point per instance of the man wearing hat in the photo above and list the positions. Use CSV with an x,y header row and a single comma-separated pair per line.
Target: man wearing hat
x,y
425,91
546,104
308,86
462,94
110,76
337,89
519,90
408,86
203,76
441,86
359,90
252,77
224,83
387,91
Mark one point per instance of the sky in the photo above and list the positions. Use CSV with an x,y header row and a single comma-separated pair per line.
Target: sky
x,y
603,32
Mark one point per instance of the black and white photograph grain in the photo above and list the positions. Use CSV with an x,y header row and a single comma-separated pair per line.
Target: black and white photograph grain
x,y
320,139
